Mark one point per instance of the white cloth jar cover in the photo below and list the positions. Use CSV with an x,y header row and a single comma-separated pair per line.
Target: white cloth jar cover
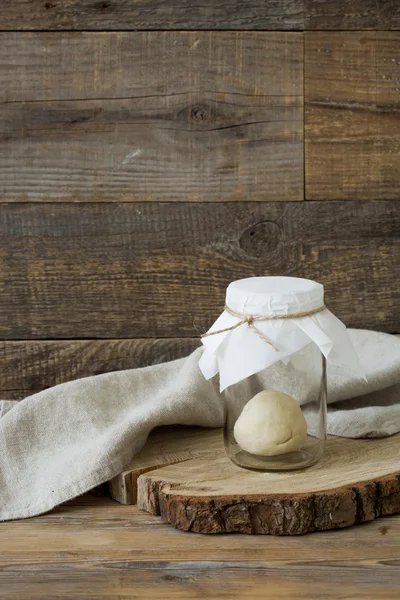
x,y
238,353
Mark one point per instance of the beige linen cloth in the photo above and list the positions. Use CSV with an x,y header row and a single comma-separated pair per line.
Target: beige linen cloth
x,y
63,441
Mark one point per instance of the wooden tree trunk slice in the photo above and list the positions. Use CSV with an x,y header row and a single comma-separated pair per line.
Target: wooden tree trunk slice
x,y
355,481
165,446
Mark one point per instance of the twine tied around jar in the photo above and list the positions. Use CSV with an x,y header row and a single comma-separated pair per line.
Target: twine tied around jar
x,y
251,319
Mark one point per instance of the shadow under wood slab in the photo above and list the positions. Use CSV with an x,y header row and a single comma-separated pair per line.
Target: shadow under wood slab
x,y
174,116
355,481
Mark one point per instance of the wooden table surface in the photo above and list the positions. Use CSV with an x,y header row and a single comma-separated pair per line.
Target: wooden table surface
x,y
95,548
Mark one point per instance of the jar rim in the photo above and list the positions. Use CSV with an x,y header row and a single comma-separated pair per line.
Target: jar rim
x,y
270,286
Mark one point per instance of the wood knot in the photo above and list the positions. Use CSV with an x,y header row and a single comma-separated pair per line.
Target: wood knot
x,y
261,239
383,529
198,113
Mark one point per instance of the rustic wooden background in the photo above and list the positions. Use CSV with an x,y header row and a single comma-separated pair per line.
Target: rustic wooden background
x,y
152,152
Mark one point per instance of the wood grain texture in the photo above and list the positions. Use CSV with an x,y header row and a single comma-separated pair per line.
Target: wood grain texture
x,y
155,270
352,14
209,14
352,88
30,366
354,482
151,116
112,550
170,14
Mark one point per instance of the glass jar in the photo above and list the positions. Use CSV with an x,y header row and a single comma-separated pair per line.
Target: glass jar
x,y
269,347
284,424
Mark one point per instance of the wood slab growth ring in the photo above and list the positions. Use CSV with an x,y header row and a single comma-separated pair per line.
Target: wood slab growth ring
x,y
356,481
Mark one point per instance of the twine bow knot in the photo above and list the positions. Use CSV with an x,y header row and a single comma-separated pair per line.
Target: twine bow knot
x,y
246,319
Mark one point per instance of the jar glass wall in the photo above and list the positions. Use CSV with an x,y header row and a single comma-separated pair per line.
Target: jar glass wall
x,y
284,427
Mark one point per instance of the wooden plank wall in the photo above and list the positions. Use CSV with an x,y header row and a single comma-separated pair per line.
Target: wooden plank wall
x,y
152,152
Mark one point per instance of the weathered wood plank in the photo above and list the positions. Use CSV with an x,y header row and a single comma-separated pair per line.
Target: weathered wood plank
x,y
352,115
352,14
136,15
158,270
151,116
43,539
197,580
113,550
209,14
30,366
